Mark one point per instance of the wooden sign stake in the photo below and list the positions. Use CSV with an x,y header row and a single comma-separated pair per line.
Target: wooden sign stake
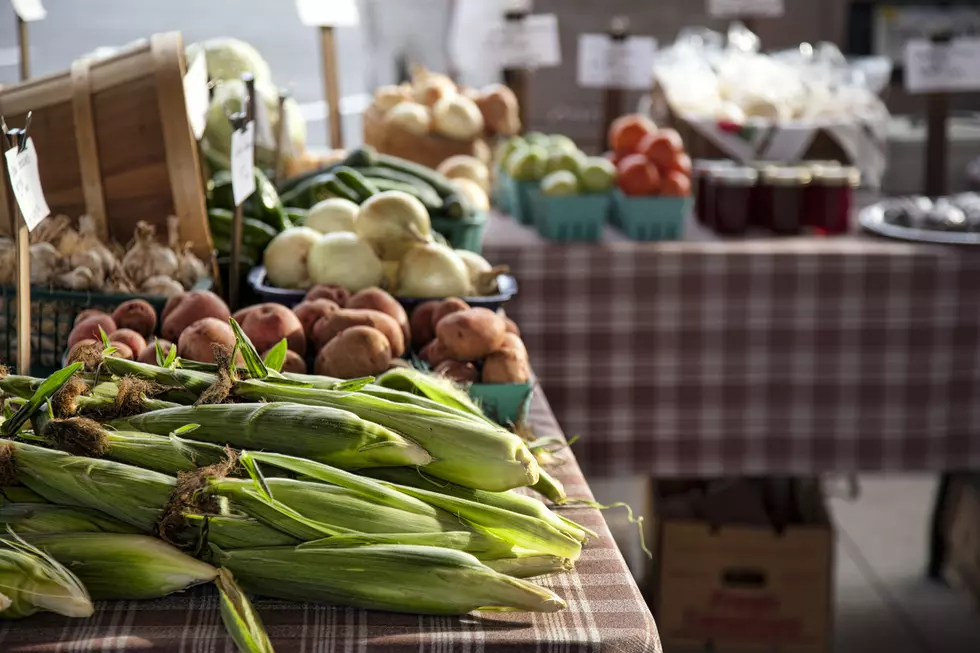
x,y
331,86
516,78
281,136
238,122
613,97
18,138
25,49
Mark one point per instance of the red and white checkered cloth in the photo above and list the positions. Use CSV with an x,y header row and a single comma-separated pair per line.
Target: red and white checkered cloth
x,y
744,357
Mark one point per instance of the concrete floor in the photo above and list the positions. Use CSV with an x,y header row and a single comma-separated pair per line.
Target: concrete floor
x,y
884,601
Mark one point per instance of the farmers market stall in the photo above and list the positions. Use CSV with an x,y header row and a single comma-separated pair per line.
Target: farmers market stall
x,y
604,611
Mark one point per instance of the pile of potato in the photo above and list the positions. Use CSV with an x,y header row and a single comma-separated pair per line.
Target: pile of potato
x,y
469,345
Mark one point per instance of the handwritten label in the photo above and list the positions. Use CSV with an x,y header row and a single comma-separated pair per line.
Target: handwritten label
x,y
26,183
242,161
529,43
604,62
29,10
745,8
328,13
942,67
196,95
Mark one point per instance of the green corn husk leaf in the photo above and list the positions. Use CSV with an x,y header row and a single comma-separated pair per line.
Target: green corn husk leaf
x,y
17,385
550,487
98,405
479,546
464,451
47,388
32,581
235,532
328,435
277,356
186,385
511,501
122,566
34,518
19,494
530,566
395,578
528,533
436,388
240,618
132,495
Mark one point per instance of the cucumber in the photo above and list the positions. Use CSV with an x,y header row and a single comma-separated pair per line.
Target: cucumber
x,y
254,232
296,181
354,180
296,215
455,207
428,175
338,188
362,157
264,204
430,200
380,172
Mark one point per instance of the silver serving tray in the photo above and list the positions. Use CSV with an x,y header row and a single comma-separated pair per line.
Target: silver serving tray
x,y
872,218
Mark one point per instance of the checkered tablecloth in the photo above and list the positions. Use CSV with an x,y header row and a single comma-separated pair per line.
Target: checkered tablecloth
x,y
767,356
605,612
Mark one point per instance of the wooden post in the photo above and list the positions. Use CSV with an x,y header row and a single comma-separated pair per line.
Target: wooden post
x,y
331,86
516,78
281,135
17,138
239,121
25,49
613,97
937,118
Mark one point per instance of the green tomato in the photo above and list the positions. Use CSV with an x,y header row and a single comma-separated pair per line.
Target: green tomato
x,y
528,164
597,174
561,183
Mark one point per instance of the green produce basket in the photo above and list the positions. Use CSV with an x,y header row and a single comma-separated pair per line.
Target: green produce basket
x,y
522,196
504,403
501,193
52,318
464,233
650,218
572,218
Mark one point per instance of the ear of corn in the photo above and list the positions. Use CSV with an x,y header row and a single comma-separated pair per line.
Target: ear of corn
x,y
19,494
332,436
32,518
438,389
32,581
397,578
550,487
186,385
122,566
240,618
167,455
235,532
529,566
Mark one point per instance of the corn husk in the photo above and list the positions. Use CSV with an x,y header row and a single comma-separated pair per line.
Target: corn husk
x,y
118,566
234,532
240,618
530,566
19,494
396,578
32,581
438,389
34,518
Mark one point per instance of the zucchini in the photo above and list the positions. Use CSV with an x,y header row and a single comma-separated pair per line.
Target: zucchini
x,y
362,157
380,172
254,232
286,185
264,204
296,215
454,207
339,189
354,180
430,200
428,175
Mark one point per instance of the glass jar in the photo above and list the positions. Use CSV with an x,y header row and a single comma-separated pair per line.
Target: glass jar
x,y
701,173
760,192
781,193
830,198
731,200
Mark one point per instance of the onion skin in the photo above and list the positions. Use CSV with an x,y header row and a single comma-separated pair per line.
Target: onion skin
x,y
286,257
431,271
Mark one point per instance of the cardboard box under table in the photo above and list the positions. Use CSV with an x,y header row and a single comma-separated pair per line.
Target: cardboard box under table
x,y
725,578
960,514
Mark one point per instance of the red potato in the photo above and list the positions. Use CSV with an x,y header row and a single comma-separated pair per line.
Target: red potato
x,y
311,310
505,366
197,340
515,344
434,353
269,323
74,350
133,340
446,307
149,353
378,300
472,334
239,315
89,328
185,309
326,328
87,313
399,362
511,326
138,315
421,323
355,352
337,294
293,363
457,371
123,351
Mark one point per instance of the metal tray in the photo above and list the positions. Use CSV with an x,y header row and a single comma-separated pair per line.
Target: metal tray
x,y
872,218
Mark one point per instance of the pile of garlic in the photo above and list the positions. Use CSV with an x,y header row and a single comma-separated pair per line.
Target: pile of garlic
x,y
76,259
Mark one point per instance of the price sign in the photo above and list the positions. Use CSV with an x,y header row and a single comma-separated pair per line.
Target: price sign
x,y
196,95
745,8
328,13
604,62
29,10
242,161
952,66
26,183
528,43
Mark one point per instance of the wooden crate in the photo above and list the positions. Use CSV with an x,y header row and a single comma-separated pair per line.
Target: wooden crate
x,y
113,141
429,150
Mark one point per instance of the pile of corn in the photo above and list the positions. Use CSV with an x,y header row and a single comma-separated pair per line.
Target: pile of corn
x,y
394,494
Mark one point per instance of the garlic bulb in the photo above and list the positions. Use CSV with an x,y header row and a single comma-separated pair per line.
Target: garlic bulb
x,y
8,261
81,278
190,269
147,258
45,263
161,286
91,261
90,241
117,281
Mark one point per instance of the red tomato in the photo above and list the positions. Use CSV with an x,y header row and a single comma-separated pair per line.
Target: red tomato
x,y
637,176
626,132
676,184
662,148
681,164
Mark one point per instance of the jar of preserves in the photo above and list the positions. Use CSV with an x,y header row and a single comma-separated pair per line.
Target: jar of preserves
x,y
731,199
701,173
781,199
830,198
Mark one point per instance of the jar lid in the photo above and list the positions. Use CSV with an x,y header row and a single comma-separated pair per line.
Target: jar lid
x,y
707,165
736,176
762,164
788,176
837,175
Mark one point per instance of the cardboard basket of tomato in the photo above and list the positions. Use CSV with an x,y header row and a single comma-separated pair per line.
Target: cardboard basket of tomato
x,y
653,179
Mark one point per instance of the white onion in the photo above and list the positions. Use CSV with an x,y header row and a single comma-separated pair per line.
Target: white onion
x,y
433,270
475,264
285,257
457,117
392,222
343,259
334,214
463,166
472,194
410,116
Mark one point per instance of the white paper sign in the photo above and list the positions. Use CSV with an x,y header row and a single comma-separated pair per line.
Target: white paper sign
x,y
936,67
196,95
604,62
29,10
26,183
328,13
745,8
242,162
529,43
